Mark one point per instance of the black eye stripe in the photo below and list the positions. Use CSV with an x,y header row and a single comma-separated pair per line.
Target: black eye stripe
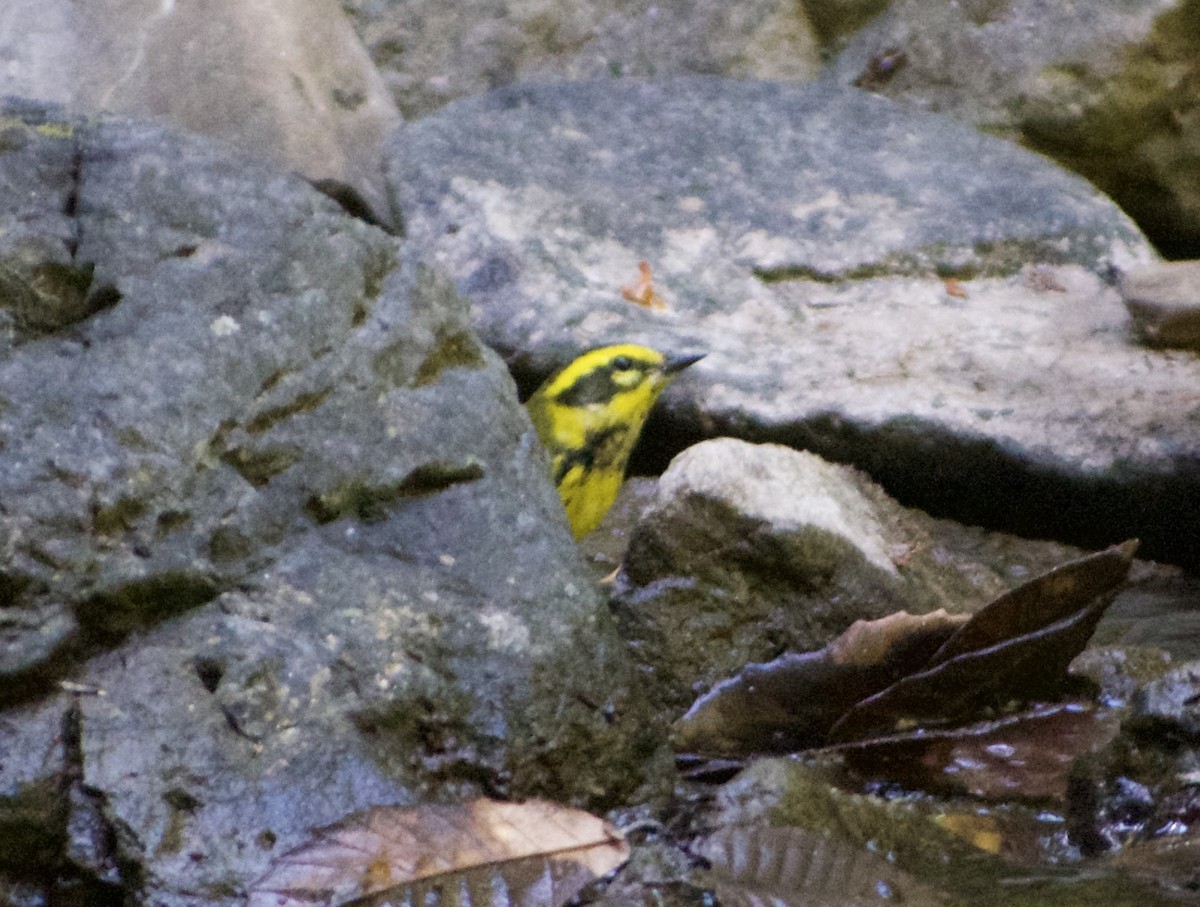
x,y
600,386
594,387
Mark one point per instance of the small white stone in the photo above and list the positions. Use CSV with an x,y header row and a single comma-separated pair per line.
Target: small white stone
x,y
224,326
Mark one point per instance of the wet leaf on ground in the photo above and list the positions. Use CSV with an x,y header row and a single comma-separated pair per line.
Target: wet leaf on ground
x,y
893,695
1017,648
1023,756
794,867
790,703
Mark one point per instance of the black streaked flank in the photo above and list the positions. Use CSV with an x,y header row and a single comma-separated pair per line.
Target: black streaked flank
x,y
585,456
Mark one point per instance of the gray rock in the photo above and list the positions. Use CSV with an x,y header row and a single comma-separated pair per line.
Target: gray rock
x,y
431,52
752,550
1164,301
802,236
1171,704
287,81
33,810
1099,87
279,517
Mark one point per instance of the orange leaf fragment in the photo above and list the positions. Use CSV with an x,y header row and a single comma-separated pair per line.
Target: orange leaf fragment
x,y
393,849
642,293
954,288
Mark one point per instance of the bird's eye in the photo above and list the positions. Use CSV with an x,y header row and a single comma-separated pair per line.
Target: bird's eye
x,y
621,364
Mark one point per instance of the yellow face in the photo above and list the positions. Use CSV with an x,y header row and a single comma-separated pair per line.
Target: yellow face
x,y
589,416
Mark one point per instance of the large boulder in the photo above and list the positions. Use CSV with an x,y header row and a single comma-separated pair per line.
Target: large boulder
x,y
278,539
1109,89
285,81
430,52
884,287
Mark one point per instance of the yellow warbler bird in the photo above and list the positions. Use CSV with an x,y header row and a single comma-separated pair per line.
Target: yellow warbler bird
x,y
589,416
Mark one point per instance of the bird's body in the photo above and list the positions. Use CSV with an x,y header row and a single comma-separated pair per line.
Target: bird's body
x,y
589,416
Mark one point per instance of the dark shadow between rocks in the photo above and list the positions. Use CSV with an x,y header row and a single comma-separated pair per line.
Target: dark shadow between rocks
x,y
105,620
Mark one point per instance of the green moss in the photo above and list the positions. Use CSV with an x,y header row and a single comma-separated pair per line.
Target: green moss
x,y
832,19
1137,134
117,611
50,130
942,260
393,364
301,403
259,465
455,348
170,520
33,821
55,130
133,439
378,265
47,296
13,585
427,738
228,544
119,517
370,503
183,805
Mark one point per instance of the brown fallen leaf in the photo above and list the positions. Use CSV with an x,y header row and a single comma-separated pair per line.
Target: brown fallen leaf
x,y
1016,648
642,292
1043,600
902,670
1026,756
791,703
534,853
954,288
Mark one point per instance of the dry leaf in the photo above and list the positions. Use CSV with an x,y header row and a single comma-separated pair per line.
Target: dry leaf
x,y
1047,598
897,639
642,292
978,831
1025,756
954,288
495,853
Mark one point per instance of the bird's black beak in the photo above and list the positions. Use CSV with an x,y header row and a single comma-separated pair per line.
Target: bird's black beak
x,y
679,363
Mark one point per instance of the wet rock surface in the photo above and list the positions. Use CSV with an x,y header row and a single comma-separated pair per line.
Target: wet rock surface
x,y
880,287
276,527
1107,89
1172,703
748,551
277,540
470,50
